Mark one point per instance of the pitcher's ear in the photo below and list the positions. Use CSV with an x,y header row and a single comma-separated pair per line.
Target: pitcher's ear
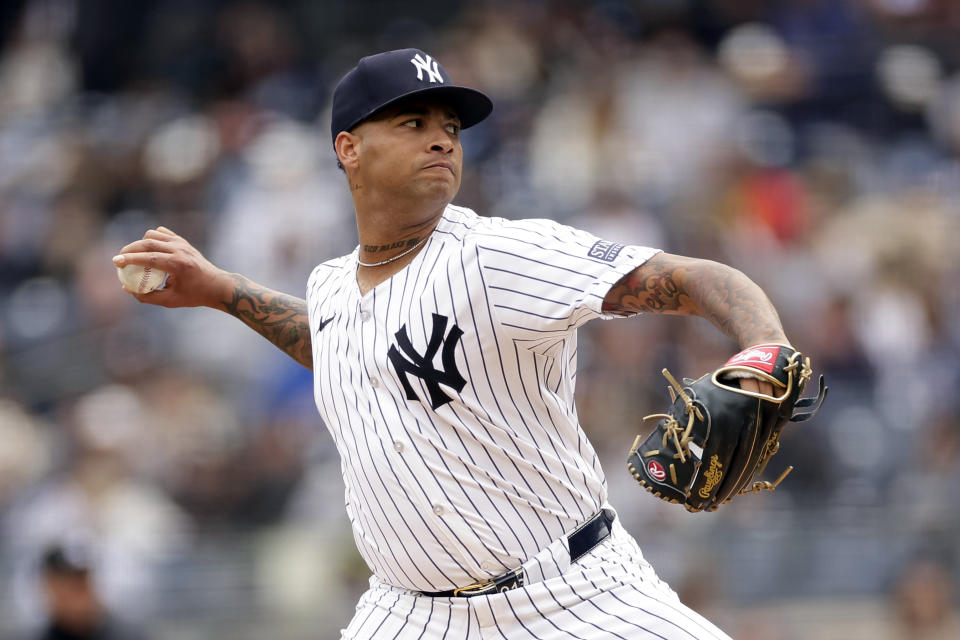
x,y
347,146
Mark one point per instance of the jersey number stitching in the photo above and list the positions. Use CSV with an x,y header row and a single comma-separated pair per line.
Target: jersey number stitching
x,y
422,367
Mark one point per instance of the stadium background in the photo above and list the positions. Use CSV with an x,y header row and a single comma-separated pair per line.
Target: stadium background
x,y
811,143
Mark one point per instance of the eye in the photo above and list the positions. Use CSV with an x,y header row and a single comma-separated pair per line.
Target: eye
x,y
453,129
413,124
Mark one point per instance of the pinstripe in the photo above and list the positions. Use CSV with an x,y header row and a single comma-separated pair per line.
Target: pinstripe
x,y
406,618
426,624
420,485
387,615
486,450
566,468
577,509
569,610
564,240
500,468
402,486
494,481
487,431
670,606
527,276
493,615
592,602
536,228
528,259
440,484
447,233
546,375
520,326
625,555
550,439
385,540
688,619
356,482
500,358
530,431
521,519
529,313
539,344
503,373
520,620
579,319
527,295
446,629
372,609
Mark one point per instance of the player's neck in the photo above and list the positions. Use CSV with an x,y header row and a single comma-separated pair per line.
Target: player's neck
x,y
385,223
390,238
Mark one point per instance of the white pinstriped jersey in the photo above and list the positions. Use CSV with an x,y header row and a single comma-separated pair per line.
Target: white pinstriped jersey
x,y
449,391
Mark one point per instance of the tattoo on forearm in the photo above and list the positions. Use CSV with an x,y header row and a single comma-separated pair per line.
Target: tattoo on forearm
x,y
736,305
721,294
280,318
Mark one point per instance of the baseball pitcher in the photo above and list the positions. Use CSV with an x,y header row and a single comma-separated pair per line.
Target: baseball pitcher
x,y
444,355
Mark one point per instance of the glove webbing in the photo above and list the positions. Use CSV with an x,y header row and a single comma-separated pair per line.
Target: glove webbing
x,y
671,428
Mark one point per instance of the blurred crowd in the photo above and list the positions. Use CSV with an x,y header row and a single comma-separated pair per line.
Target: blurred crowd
x,y
814,144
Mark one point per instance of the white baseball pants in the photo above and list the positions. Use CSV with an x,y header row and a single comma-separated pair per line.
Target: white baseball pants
x,y
609,593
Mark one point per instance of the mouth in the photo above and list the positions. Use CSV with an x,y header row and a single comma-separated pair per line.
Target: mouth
x,y
442,165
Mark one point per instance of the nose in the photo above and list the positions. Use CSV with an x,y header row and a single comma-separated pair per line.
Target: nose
x,y
440,139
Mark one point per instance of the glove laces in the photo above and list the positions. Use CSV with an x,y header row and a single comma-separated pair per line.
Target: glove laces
x,y
672,429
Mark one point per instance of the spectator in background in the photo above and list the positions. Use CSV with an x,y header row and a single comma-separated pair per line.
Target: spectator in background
x,y
74,608
104,490
923,598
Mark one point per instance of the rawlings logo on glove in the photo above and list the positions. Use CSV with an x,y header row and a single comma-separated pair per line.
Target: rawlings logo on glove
x,y
717,438
762,357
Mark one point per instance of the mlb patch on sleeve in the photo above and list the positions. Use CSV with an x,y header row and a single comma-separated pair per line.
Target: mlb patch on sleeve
x,y
605,250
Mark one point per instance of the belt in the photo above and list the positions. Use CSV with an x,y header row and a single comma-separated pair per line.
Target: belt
x,y
583,539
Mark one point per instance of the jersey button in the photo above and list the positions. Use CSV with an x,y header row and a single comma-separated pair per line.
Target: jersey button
x,y
398,446
438,509
365,315
374,383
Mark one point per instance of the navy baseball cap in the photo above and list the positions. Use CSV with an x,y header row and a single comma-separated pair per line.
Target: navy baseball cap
x,y
385,78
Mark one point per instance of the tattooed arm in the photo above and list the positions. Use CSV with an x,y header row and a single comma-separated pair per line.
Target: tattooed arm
x,y
278,317
195,282
687,286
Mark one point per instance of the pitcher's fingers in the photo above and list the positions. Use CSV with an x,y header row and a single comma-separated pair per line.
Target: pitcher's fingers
x,y
750,384
156,234
756,386
149,245
153,259
167,231
161,297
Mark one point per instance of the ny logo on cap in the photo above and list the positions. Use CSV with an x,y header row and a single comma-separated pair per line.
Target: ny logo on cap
x,y
429,65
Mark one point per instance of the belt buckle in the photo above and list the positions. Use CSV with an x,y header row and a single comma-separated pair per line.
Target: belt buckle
x,y
509,580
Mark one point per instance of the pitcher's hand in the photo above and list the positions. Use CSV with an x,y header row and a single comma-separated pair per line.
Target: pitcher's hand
x,y
193,280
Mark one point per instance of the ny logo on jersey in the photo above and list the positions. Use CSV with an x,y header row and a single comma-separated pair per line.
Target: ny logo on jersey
x,y
429,65
421,365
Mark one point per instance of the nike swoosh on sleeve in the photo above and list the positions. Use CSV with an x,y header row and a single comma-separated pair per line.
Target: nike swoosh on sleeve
x,y
324,323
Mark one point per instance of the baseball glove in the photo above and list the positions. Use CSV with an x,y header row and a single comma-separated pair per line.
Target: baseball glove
x,y
716,437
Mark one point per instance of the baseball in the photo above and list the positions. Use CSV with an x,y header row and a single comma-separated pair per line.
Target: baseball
x,y
139,279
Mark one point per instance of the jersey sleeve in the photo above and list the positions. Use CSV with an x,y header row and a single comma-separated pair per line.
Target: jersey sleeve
x,y
544,279
323,278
